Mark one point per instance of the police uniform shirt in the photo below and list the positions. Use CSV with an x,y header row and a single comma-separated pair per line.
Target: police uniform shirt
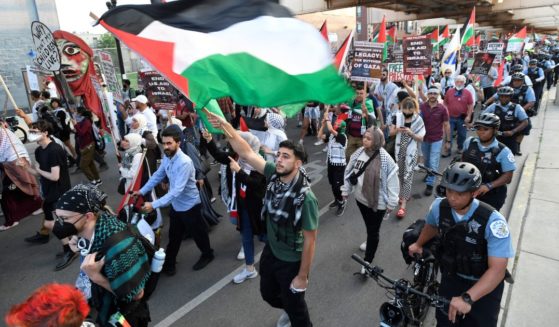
x,y
549,64
505,158
538,69
519,112
497,233
508,79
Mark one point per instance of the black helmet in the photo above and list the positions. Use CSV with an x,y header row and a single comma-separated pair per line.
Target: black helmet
x,y
517,76
506,90
488,120
533,61
461,177
517,68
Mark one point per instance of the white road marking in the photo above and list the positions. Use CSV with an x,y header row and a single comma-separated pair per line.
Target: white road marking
x,y
192,304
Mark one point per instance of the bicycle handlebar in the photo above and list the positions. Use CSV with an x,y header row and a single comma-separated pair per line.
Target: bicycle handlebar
x,y
429,170
375,271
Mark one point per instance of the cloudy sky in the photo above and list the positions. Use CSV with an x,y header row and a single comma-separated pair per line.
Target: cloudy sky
x,y
74,14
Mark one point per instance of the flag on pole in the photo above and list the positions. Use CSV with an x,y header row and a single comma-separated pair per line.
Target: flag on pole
x,y
516,41
341,55
324,31
244,49
444,37
450,56
381,38
500,72
435,39
468,36
391,36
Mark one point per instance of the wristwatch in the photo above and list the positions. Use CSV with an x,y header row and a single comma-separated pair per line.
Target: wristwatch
x,y
467,298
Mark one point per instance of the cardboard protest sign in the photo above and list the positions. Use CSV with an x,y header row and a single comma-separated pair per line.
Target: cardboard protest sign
x,y
367,61
417,55
160,93
482,63
497,49
108,69
396,72
48,56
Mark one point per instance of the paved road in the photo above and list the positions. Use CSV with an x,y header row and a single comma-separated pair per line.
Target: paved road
x,y
208,298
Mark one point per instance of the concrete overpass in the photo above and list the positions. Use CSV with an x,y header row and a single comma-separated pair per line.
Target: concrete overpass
x,y
507,15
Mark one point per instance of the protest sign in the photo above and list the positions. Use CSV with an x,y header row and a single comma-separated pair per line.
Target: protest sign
x,y
417,55
482,63
160,93
396,72
48,57
367,61
108,69
497,49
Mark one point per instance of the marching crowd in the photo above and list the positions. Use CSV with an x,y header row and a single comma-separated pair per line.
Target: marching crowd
x,y
373,147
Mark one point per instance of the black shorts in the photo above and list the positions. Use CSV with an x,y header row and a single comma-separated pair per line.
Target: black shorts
x,y
64,135
48,209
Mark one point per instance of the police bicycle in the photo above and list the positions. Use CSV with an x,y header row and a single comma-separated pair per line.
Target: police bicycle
x,y
404,307
439,190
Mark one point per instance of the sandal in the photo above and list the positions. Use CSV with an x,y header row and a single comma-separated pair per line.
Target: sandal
x,y
401,213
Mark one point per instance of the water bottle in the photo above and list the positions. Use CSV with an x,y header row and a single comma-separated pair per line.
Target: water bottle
x,y
363,126
157,261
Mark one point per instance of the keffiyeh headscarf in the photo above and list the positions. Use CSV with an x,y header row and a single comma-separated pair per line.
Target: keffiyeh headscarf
x,y
275,121
371,182
82,198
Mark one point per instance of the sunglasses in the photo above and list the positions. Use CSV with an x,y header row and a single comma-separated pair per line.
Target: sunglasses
x,y
61,219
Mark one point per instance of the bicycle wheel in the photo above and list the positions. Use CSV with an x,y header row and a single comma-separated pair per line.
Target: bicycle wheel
x,y
20,133
425,280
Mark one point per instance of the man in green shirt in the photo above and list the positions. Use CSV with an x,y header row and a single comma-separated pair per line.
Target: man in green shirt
x,y
291,213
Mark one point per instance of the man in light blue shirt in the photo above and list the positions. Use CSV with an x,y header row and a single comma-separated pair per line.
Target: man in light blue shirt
x,y
184,198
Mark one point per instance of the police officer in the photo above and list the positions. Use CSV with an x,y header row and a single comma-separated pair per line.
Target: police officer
x,y
475,247
514,119
493,159
548,66
516,69
537,77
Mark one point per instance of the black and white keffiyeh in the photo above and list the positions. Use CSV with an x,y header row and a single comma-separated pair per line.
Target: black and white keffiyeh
x,y
82,198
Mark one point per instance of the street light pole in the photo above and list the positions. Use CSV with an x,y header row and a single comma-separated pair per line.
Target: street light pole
x,y
110,5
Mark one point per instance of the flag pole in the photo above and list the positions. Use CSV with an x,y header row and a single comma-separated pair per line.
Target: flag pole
x,y
9,95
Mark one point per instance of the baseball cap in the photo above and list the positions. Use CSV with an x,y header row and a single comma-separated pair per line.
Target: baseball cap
x,y
141,98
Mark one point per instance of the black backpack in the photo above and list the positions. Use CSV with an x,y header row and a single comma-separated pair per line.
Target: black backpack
x,y
410,236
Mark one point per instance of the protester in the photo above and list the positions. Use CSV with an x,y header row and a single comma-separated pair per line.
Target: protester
x,y
474,272
20,192
291,215
37,104
275,134
460,105
487,82
361,115
142,107
385,92
52,305
447,81
437,134
153,152
84,132
105,241
127,90
409,130
373,176
132,159
184,200
310,120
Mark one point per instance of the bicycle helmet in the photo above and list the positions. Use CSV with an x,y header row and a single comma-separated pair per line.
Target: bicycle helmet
x,y
533,61
505,90
517,68
461,177
488,120
517,76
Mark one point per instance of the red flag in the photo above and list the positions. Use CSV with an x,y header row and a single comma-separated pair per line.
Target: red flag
x,y
391,34
342,51
243,125
135,186
324,31
478,40
381,38
499,79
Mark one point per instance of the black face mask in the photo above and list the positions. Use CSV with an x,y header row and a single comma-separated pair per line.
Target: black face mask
x,y
65,230
408,115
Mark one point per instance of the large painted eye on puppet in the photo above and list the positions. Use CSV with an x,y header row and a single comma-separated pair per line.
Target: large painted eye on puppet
x,y
71,50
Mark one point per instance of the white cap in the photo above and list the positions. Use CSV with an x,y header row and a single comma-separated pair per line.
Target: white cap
x,y
141,98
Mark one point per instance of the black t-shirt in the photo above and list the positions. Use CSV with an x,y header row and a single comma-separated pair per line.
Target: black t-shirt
x,y
51,156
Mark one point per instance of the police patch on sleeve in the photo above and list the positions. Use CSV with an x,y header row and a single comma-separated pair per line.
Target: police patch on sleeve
x,y
510,157
499,229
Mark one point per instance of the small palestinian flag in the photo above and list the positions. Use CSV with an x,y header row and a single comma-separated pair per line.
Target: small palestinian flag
x,y
444,37
516,41
251,50
435,39
468,36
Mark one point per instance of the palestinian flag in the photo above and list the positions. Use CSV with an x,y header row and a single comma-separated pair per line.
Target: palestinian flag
x,y
245,49
444,37
468,36
381,37
341,55
324,31
516,41
391,36
435,39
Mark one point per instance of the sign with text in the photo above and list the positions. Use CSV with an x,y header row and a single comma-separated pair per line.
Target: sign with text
x,y
48,56
515,46
396,72
417,55
497,49
108,69
482,63
160,93
367,61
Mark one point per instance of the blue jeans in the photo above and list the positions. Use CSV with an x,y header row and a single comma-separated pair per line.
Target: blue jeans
x,y
432,155
461,131
247,237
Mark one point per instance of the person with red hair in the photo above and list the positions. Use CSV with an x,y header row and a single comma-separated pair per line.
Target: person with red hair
x,y
52,305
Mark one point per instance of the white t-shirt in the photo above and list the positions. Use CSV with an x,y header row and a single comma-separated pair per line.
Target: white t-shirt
x,y
151,120
34,110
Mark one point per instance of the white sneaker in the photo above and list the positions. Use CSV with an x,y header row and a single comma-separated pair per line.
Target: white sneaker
x,y
301,141
283,320
244,275
363,270
325,149
319,142
37,212
241,255
363,246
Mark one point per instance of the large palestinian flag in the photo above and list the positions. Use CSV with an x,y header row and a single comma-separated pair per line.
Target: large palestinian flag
x,y
251,50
